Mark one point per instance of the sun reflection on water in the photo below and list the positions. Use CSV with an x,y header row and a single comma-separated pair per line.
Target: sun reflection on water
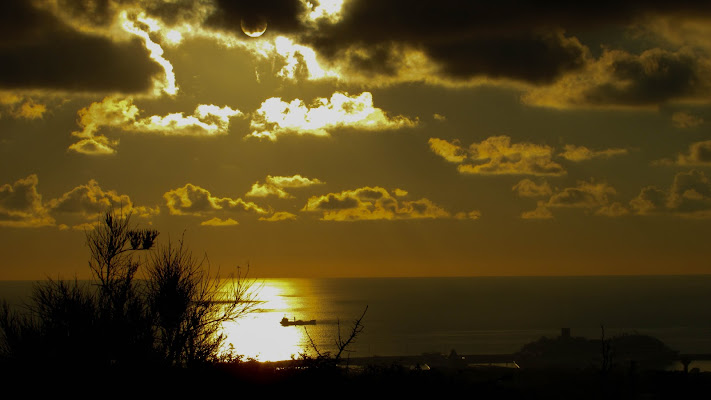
x,y
259,335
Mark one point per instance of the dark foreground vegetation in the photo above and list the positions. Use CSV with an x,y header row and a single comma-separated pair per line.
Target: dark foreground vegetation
x,y
293,378
171,318
160,336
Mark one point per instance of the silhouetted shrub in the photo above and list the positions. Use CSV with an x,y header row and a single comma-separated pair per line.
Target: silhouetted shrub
x,y
173,318
189,306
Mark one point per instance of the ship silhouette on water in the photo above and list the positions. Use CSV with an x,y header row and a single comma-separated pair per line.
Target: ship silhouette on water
x,y
286,322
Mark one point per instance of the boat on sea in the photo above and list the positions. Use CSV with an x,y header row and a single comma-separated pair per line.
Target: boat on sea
x,y
286,322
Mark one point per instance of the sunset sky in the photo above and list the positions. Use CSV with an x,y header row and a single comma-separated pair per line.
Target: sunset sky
x,y
361,137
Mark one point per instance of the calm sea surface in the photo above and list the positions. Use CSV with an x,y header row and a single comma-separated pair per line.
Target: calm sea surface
x,y
408,316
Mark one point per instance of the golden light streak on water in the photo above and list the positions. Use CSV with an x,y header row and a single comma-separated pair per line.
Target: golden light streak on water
x,y
259,335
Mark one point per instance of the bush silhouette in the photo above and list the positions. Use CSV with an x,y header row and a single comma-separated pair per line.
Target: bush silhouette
x,y
172,317
188,306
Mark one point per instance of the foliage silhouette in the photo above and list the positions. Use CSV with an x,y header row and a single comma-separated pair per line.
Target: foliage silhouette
x,y
189,306
173,317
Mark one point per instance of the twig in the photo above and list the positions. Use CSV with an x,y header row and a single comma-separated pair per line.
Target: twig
x,y
357,329
313,345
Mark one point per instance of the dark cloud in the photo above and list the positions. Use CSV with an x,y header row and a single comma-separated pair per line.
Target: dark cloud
x,y
282,16
101,13
689,196
370,194
690,192
174,12
650,200
333,202
94,12
21,204
89,199
378,59
653,77
38,51
539,58
699,154
21,196
521,40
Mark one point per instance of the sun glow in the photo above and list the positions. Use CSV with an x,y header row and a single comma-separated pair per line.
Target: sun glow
x,y
259,335
328,9
174,37
294,54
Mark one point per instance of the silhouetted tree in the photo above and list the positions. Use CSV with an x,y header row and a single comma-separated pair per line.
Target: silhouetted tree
x,y
123,321
18,334
324,359
189,306
174,316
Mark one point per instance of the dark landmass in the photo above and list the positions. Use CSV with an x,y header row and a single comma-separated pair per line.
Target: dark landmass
x,y
360,379
558,368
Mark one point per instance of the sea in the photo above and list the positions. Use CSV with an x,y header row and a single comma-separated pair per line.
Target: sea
x,y
470,315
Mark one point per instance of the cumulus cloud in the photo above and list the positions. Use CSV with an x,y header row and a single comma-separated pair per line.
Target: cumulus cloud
x,y
585,195
275,185
265,189
496,155
196,201
686,120
582,153
121,113
591,196
17,106
540,212
207,120
689,196
279,216
99,145
21,205
699,155
372,203
110,112
622,79
615,209
529,188
219,222
649,201
90,200
276,117
468,215
450,151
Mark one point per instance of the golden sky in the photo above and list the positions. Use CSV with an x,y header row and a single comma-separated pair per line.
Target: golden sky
x,y
359,137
